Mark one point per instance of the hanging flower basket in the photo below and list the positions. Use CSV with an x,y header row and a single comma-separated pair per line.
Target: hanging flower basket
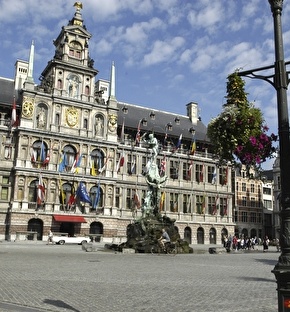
x,y
238,133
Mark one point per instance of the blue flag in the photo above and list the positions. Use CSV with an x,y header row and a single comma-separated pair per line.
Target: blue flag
x,y
97,197
63,163
82,194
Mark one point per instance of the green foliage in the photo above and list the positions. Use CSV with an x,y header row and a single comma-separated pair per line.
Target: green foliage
x,y
238,132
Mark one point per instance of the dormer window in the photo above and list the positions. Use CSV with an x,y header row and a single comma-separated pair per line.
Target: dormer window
x,y
75,49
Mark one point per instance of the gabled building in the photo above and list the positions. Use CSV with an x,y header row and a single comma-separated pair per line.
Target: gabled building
x,y
73,159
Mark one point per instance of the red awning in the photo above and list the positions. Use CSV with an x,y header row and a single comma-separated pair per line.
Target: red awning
x,y
70,218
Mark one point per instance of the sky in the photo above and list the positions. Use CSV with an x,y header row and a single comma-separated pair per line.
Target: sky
x,y
167,53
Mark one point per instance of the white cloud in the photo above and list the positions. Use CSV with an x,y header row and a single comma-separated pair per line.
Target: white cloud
x,y
164,51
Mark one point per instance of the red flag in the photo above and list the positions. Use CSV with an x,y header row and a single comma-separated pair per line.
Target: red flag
x,y
40,191
46,160
138,137
121,162
13,116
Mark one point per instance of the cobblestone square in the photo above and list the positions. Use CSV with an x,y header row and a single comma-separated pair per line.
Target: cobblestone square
x,y
37,277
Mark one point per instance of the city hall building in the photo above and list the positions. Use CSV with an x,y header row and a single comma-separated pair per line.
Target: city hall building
x,y
73,156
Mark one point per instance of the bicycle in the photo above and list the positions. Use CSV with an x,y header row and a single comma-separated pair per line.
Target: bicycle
x,y
169,249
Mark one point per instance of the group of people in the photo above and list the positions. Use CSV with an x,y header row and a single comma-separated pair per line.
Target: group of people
x,y
235,243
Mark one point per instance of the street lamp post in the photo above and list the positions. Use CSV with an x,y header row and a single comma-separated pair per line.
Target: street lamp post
x,y
279,80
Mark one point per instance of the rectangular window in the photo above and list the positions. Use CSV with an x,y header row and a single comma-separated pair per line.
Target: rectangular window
x,y
4,193
253,202
210,174
252,188
200,204
244,187
173,202
253,217
5,180
244,201
174,169
223,206
211,203
267,204
117,197
186,203
244,216
267,190
223,176
199,173
187,171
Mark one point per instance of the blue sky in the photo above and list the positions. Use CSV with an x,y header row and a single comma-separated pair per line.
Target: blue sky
x,y
167,52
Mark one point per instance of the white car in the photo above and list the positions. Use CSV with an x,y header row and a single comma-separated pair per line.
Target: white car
x,y
71,239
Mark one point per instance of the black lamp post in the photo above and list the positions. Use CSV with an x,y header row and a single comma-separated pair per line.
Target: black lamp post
x,y
279,80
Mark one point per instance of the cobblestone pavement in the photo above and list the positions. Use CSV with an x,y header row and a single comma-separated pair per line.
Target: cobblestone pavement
x,y
36,277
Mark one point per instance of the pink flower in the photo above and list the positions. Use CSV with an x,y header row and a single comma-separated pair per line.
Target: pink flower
x,y
253,140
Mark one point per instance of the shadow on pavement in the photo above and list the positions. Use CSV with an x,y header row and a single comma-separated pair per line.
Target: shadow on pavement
x,y
60,304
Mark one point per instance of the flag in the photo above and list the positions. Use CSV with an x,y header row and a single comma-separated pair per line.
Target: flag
x,y
46,160
162,166
193,146
104,166
136,200
123,131
225,176
33,155
63,163
13,115
226,206
82,193
189,170
162,199
92,165
120,162
40,191
42,153
203,205
138,137
76,163
62,195
215,207
178,144
132,169
165,140
201,174
72,199
97,197
213,181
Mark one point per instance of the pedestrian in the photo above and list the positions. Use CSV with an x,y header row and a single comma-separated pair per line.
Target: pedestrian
x,y
266,242
50,237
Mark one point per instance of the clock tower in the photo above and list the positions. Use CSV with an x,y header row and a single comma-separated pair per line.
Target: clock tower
x,y
71,73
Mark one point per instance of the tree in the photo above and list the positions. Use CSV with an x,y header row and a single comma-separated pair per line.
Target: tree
x,y
238,133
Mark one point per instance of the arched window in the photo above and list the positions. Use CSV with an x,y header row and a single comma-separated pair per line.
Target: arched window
x,y
212,236
85,123
59,84
97,162
187,234
32,191
39,153
87,90
200,235
70,156
57,118
67,196
75,49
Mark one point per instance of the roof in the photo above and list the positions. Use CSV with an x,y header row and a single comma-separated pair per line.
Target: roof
x,y
7,91
159,123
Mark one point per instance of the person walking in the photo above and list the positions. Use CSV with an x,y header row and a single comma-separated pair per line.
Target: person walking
x,y
50,237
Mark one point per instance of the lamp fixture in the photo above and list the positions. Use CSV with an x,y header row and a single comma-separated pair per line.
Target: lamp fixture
x,y
125,109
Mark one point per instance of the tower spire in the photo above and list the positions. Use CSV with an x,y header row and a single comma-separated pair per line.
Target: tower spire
x,y
112,94
29,79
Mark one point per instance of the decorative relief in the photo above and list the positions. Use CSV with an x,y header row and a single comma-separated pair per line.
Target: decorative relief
x,y
72,116
112,123
27,107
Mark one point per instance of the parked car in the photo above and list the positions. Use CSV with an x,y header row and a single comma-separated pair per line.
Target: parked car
x,y
61,240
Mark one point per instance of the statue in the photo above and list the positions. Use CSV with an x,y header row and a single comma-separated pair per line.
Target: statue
x,y
99,126
155,182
